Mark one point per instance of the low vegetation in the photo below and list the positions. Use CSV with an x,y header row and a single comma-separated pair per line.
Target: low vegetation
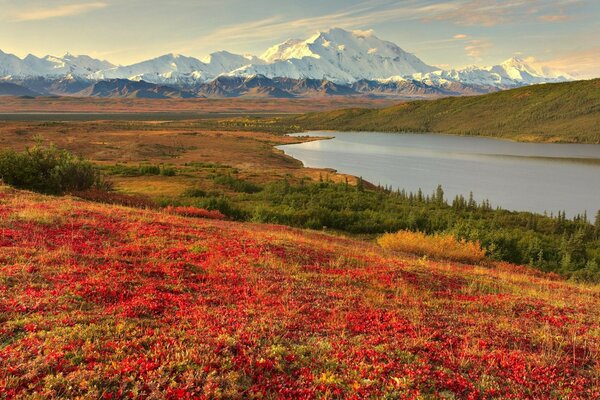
x,y
195,212
570,247
100,301
437,246
140,170
560,112
48,170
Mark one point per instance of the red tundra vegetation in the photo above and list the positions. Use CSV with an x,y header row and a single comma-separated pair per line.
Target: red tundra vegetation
x,y
103,301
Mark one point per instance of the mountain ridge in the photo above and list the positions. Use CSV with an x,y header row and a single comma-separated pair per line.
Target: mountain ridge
x,y
336,55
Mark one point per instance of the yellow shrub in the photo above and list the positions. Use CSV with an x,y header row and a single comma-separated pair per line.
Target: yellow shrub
x,y
437,246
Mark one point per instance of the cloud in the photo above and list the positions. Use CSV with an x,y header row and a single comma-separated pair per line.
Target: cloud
x,y
498,12
553,18
582,64
367,13
475,48
356,17
67,10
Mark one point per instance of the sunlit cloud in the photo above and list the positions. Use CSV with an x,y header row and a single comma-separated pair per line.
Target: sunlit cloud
x,y
498,12
460,36
362,16
38,14
475,48
582,64
553,18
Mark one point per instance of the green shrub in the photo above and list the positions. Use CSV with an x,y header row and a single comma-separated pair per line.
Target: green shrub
x,y
149,170
168,171
48,170
141,170
194,192
236,184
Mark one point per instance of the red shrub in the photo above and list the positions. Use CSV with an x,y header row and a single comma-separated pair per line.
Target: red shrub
x,y
102,196
195,212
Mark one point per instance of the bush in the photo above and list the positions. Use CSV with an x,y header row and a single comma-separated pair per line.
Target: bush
x,y
438,246
149,170
236,184
222,205
168,171
48,170
102,196
141,170
195,212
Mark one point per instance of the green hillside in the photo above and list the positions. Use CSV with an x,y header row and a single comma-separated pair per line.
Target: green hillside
x,y
562,112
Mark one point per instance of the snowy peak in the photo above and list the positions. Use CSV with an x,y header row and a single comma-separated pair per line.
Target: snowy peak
x,y
518,68
339,55
179,69
223,62
86,63
281,51
511,73
168,68
49,66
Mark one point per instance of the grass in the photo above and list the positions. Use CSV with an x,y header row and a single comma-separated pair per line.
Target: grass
x,y
115,302
437,246
561,112
169,109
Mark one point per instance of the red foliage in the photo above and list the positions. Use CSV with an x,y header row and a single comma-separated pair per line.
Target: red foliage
x,y
102,196
195,212
109,302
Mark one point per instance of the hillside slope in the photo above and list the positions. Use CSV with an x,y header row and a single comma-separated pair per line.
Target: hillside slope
x,y
103,301
561,112
10,89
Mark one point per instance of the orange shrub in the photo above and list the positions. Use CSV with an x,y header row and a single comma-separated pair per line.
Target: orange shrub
x,y
438,246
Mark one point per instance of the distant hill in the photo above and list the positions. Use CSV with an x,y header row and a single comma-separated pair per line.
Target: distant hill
x,y
557,112
130,89
11,89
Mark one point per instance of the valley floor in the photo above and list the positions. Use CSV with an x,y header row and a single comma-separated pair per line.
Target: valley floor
x,y
103,301
231,106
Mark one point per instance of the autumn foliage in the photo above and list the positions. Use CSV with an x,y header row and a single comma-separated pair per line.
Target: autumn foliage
x,y
106,302
190,211
437,246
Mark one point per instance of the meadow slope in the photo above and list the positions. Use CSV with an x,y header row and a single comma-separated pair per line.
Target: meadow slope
x,y
101,301
558,112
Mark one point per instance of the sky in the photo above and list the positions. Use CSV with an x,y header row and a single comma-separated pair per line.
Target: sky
x,y
564,34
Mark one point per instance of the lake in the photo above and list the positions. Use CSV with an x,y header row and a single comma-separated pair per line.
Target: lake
x,y
517,176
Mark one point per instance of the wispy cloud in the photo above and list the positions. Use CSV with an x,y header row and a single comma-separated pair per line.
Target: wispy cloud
x,y
66,10
373,12
583,63
460,36
361,16
553,18
475,48
498,12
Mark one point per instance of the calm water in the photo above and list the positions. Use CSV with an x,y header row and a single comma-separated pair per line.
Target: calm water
x,y
516,176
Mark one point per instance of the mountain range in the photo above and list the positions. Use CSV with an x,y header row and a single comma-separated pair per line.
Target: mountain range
x,y
334,62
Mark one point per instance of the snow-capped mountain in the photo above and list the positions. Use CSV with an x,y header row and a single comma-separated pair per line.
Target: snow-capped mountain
x,y
49,66
358,60
339,56
179,69
511,73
